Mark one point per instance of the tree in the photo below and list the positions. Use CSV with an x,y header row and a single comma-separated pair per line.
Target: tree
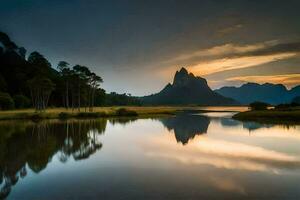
x,y
121,99
3,84
258,106
6,102
7,43
82,74
40,65
65,73
100,97
21,101
62,65
94,85
40,89
22,52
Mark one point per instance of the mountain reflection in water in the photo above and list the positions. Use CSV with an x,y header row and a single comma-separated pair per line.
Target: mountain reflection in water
x,y
186,126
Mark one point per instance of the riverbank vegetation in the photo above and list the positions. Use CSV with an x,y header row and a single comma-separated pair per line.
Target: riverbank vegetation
x,y
269,116
32,82
261,112
63,113
112,111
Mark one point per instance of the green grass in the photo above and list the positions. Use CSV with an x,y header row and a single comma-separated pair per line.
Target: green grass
x,y
62,113
114,111
270,116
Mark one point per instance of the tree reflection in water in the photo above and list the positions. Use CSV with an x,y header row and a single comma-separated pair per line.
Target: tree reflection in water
x,y
122,120
28,144
186,126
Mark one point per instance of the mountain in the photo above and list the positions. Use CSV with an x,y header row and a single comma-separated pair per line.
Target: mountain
x,y
269,93
295,92
187,89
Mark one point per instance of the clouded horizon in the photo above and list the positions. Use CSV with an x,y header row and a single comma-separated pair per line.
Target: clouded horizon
x,y
136,46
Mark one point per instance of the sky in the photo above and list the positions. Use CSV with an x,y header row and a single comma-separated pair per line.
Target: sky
x,y
137,46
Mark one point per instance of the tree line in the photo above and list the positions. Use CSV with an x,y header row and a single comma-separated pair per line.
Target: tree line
x,y
33,82
80,86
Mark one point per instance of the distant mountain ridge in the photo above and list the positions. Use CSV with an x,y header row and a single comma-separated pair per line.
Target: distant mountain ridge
x,y
187,89
267,92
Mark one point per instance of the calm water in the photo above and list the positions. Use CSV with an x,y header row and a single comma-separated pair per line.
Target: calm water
x,y
206,156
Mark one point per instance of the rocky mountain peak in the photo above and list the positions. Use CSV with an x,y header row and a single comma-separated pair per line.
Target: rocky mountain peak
x,y
183,78
183,70
187,89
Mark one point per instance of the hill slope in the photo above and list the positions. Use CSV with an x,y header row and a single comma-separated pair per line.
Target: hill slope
x,y
269,93
187,89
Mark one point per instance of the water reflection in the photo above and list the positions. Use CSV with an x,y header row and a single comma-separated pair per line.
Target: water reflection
x,y
186,126
218,159
122,120
32,145
230,148
251,126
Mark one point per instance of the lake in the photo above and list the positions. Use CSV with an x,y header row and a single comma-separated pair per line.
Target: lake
x,y
188,156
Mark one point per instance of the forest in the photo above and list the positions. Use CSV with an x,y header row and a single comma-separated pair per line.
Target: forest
x,y
32,82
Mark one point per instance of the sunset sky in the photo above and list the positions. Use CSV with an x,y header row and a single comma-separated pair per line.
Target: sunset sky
x,y
136,46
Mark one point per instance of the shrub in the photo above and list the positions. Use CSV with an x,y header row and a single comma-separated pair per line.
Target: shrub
x,y
124,112
258,106
63,115
6,102
290,106
21,101
282,106
36,117
90,114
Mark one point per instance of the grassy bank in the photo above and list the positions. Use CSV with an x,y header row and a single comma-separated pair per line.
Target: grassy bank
x,y
115,111
56,113
270,116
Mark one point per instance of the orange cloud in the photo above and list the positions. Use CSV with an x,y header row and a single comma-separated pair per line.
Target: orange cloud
x,y
234,56
218,65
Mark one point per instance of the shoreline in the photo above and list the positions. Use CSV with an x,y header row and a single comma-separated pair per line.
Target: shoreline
x,y
106,112
270,116
61,113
